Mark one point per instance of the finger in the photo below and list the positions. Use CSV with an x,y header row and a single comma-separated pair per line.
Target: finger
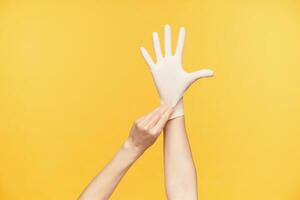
x,y
142,118
157,48
201,74
180,41
161,109
168,45
155,117
162,121
147,116
147,57
139,120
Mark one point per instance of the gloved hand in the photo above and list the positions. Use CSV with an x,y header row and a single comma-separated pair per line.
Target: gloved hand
x,y
169,76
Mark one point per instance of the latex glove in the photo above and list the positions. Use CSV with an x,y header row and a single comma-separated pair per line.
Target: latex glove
x,y
169,76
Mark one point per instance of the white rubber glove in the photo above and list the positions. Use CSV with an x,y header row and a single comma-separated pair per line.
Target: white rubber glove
x,y
169,76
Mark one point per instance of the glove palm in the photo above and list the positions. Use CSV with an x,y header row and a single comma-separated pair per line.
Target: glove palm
x,y
170,79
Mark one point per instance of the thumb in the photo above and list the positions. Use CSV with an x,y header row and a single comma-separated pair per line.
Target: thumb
x,y
203,73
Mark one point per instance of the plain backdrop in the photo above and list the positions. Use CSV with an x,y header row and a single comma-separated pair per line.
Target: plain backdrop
x,y
72,80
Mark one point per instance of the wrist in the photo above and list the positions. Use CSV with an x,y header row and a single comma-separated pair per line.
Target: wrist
x,y
132,150
178,110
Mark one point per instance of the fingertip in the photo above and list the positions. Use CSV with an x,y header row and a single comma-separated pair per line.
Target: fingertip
x,y
142,50
171,110
168,112
206,73
210,73
168,106
182,29
162,106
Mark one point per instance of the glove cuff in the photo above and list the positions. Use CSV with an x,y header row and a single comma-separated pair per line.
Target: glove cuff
x,y
178,110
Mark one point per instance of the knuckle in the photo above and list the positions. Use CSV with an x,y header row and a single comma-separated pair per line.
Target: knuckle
x,y
141,128
136,123
154,136
146,130
153,132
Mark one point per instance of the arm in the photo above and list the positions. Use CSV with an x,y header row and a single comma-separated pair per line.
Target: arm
x,y
180,173
105,182
142,135
171,81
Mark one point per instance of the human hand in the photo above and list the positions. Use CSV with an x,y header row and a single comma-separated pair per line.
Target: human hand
x,y
146,129
170,78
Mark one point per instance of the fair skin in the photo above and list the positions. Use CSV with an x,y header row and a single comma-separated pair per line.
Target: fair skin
x,y
143,134
180,173
171,81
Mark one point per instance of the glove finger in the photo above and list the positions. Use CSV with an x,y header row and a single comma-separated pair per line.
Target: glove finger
x,y
157,48
180,42
201,74
168,43
147,57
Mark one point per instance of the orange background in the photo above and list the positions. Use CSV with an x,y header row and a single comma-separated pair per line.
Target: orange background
x,y
72,80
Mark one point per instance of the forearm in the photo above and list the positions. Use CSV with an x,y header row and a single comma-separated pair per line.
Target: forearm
x,y
142,135
180,173
106,181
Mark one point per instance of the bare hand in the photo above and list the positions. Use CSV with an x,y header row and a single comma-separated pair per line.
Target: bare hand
x,y
146,129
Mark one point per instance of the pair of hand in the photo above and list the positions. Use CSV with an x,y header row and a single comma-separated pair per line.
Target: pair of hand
x,y
171,81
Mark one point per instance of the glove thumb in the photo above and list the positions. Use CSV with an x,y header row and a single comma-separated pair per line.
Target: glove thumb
x,y
203,73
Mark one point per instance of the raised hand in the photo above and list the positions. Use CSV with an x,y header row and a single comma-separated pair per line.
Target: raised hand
x,y
170,78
